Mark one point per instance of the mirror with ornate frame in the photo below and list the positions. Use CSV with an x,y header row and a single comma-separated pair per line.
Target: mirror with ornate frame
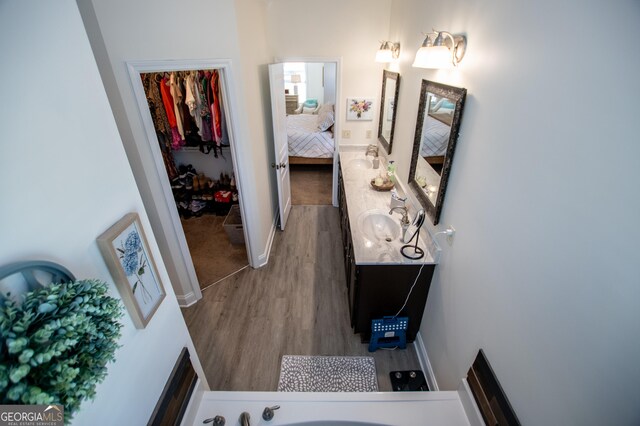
x,y
437,126
388,101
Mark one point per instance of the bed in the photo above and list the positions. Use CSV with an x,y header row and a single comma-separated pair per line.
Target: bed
x,y
307,144
435,140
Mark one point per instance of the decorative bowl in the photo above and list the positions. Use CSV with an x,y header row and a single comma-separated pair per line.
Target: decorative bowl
x,y
386,185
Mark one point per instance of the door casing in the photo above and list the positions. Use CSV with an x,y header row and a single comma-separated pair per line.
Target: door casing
x,y
163,198
338,109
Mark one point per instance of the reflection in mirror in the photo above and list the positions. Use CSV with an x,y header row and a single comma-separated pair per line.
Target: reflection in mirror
x,y
389,99
439,114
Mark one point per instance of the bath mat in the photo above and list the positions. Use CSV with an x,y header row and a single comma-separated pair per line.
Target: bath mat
x,y
327,374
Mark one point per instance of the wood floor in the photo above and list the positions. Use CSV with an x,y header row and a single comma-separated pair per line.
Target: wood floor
x,y
311,184
213,255
295,305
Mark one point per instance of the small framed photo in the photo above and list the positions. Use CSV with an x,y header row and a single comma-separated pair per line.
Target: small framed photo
x,y
126,253
360,109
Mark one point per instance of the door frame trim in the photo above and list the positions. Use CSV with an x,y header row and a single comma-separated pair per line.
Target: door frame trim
x,y
173,228
338,109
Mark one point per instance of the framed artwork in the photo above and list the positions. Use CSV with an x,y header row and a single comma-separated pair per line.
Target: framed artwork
x,y
126,252
360,109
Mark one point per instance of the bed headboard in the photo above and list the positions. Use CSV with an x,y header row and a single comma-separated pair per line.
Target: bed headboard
x,y
491,399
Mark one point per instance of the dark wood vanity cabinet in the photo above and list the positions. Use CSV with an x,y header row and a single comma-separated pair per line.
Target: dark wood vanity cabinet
x,y
380,290
376,291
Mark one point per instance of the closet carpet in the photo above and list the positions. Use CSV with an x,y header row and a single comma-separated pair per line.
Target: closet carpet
x,y
214,257
295,305
311,184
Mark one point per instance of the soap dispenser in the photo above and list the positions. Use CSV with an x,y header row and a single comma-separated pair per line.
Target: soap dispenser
x,y
391,171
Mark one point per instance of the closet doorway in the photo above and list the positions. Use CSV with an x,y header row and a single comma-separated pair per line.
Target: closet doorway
x,y
311,89
187,115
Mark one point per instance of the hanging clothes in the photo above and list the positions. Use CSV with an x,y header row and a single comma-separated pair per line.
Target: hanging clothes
x,y
189,125
216,117
187,107
192,99
168,103
154,99
205,112
176,94
167,155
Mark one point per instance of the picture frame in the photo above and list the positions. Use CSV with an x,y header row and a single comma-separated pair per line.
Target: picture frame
x,y
360,109
125,250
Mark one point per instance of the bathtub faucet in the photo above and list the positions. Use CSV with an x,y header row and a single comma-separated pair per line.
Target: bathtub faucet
x,y
268,413
245,419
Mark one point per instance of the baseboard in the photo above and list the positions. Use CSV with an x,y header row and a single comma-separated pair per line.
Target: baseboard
x,y
263,259
186,300
425,364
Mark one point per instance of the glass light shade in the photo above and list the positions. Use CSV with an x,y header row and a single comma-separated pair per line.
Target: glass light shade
x,y
433,57
384,55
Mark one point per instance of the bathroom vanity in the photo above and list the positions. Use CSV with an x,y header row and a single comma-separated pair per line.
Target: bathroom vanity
x,y
378,276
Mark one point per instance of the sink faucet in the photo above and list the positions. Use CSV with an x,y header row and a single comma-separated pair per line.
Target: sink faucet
x,y
245,419
404,222
405,214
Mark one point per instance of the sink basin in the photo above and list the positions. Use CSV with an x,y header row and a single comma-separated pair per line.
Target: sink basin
x,y
360,163
378,225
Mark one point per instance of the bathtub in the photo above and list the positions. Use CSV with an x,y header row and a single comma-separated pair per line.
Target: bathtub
x,y
332,409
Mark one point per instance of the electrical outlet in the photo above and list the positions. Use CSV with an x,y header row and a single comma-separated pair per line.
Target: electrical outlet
x,y
346,134
451,232
368,134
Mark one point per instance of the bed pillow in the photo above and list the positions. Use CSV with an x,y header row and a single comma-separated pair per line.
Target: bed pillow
x,y
311,103
309,110
325,107
325,119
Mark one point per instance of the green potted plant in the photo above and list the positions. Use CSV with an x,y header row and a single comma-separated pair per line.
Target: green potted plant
x,y
54,347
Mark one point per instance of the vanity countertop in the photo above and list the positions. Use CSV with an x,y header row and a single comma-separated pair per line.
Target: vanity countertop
x,y
361,199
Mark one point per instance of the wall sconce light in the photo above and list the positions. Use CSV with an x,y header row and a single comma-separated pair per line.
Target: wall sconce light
x,y
444,51
388,51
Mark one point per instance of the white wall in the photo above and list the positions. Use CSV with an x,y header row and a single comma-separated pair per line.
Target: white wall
x,y
315,89
255,55
351,30
65,179
330,87
205,163
120,31
543,273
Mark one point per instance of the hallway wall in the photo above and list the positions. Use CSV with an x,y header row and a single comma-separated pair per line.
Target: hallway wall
x,y
351,30
543,271
64,180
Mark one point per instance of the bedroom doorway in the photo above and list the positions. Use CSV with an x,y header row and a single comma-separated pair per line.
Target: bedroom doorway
x,y
310,92
307,93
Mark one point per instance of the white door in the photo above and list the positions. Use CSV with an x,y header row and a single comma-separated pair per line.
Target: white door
x,y
281,164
